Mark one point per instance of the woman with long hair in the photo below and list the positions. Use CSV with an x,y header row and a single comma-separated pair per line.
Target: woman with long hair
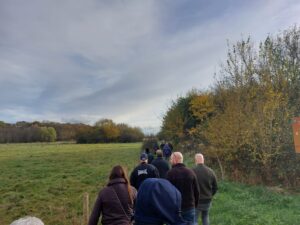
x,y
115,201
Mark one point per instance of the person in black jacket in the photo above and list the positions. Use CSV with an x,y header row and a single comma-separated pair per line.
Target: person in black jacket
x,y
161,164
208,187
185,181
149,155
142,172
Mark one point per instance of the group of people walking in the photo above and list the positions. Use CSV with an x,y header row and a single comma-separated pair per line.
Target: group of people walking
x,y
157,194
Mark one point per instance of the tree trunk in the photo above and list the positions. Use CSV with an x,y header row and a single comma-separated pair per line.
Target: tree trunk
x,y
221,168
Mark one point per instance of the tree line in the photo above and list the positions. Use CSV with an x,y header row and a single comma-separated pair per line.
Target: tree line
x,y
103,131
243,122
107,131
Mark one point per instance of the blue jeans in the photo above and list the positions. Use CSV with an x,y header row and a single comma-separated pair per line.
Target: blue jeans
x,y
203,208
190,216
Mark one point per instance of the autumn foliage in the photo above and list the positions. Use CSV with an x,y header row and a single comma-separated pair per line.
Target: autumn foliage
x,y
243,123
104,131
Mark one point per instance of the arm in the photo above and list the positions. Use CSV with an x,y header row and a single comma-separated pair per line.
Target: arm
x,y
132,179
156,172
94,218
196,191
169,177
214,184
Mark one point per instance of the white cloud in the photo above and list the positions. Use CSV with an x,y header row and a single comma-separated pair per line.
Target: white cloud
x,y
63,61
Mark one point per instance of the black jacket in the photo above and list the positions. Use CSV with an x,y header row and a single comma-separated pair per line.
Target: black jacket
x,y
150,157
162,166
185,181
207,182
112,202
142,172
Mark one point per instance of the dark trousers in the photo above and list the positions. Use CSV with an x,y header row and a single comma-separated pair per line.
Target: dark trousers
x,y
203,209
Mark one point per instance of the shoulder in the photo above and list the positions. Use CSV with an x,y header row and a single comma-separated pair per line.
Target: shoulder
x,y
190,171
133,189
134,170
104,191
150,166
154,161
213,175
210,170
196,169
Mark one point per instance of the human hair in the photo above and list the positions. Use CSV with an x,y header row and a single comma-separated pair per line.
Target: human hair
x,y
119,172
159,153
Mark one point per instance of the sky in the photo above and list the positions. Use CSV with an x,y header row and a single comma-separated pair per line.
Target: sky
x,y
126,60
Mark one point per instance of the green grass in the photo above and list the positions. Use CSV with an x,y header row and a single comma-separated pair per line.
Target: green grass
x,y
253,205
48,181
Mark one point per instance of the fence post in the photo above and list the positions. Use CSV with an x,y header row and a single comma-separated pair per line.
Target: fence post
x,y
85,208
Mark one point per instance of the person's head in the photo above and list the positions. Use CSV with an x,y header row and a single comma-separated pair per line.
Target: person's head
x,y
147,150
144,158
28,221
199,159
176,158
119,172
159,153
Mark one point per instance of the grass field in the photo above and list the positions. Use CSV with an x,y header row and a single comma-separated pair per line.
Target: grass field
x,y
48,181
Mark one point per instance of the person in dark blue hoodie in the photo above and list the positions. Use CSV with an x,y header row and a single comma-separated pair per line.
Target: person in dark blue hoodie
x,y
167,151
158,202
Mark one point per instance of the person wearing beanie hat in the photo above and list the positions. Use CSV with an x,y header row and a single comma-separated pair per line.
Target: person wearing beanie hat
x,y
142,172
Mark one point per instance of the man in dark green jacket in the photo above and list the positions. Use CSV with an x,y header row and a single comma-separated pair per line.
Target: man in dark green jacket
x,y
208,187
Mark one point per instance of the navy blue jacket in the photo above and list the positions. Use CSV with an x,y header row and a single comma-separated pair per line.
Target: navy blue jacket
x,y
158,202
167,151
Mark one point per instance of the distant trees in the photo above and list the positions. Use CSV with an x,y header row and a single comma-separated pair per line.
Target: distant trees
x,y
15,134
106,131
47,134
243,122
129,134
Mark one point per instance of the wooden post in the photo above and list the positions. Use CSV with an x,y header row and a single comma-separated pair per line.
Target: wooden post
x,y
86,213
296,131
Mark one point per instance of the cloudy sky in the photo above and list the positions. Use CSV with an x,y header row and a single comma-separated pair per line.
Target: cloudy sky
x,y
82,60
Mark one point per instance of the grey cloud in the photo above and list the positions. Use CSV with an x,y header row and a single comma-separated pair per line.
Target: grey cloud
x,y
117,59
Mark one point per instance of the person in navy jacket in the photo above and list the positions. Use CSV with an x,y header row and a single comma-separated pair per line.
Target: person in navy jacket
x,y
158,202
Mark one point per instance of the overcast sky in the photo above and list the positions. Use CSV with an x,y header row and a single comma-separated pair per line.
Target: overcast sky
x,y
83,60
